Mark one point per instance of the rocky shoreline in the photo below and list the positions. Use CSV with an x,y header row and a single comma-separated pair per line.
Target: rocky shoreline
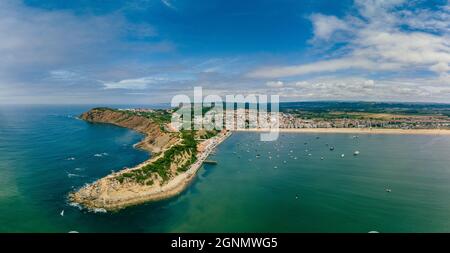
x,y
109,194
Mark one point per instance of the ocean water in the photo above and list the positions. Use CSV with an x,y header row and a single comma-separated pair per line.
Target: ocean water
x,y
282,186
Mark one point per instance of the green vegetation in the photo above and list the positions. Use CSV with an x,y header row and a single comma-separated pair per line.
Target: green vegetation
x,y
188,147
159,116
209,134
318,108
103,109
327,115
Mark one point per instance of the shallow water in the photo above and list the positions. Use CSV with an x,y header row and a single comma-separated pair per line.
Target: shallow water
x,y
45,152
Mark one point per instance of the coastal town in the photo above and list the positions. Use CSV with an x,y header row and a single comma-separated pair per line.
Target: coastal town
x,y
246,118
370,121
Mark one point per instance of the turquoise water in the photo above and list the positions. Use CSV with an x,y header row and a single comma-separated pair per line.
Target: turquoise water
x,y
45,152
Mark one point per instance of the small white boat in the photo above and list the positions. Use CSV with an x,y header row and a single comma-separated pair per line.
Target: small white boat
x,y
343,155
62,213
388,190
356,153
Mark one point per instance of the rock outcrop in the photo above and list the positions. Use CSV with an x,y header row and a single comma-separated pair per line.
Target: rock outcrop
x,y
109,193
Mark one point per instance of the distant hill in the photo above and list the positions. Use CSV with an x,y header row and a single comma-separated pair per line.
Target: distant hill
x,y
371,107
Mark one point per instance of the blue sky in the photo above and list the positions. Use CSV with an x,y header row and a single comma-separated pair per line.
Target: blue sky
x,y
146,51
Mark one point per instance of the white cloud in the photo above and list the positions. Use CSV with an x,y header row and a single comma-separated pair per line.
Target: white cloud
x,y
360,88
39,41
325,26
57,54
63,75
427,20
440,67
42,38
275,84
336,87
376,9
323,66
155,82
169,4
406,48
134,84
43,47
377,42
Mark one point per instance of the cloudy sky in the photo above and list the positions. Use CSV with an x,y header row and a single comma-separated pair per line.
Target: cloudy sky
x,y
146,51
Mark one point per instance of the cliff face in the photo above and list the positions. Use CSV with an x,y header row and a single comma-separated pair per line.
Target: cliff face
x,y
155,139
110,193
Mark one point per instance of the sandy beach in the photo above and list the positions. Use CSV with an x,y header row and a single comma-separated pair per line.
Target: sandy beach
x,y
111,199
355,131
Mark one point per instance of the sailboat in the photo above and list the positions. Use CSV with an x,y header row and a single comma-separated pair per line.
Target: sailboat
x,y
62,213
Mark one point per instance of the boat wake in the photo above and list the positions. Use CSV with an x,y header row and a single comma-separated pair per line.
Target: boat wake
x,y
70,175
92,210
99,210
101,154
